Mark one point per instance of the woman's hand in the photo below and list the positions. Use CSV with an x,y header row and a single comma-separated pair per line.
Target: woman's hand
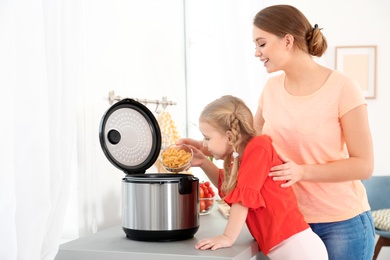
x,y
214,243
289,172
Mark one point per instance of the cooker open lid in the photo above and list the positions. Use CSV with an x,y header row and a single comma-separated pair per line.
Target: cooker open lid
x,y
130,136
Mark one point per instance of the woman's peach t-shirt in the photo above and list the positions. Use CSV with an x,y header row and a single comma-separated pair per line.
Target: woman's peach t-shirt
x,y
307,130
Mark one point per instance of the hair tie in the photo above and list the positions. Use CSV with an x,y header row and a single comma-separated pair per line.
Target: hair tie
x,y
235,155
316,27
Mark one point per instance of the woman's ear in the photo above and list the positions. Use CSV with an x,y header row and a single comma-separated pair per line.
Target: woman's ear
x,y
289,40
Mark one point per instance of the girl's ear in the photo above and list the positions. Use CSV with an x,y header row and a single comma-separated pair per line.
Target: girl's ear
x,y
229,135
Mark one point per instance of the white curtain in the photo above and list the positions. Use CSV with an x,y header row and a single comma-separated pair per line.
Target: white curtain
x,y
220,54
40,71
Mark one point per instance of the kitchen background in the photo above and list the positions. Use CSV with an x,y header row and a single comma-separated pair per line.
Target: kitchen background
x,y
61,59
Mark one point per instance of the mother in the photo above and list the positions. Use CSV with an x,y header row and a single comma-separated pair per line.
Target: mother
x,y
318,121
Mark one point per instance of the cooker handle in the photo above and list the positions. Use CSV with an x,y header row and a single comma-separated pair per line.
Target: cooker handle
x,y
185,185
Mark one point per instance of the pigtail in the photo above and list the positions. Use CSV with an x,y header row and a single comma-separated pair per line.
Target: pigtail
x,y
230,115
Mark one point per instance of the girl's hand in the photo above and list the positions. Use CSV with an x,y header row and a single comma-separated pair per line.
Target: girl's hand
x,y
214,243
236,221
289,172
189,141
198,158
201,159
195,143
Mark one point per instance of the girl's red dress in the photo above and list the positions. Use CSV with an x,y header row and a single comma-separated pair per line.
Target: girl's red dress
x,y
273,214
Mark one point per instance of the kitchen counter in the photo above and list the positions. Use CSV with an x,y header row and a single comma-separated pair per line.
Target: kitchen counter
x,y
112,244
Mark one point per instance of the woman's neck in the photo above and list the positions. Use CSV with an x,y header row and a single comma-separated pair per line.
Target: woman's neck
x,y
304,76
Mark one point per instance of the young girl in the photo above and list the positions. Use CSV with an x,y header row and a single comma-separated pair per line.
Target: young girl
x,y
270,212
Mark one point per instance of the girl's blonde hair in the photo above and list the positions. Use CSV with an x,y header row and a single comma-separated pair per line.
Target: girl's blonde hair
x,y
230,114
286,19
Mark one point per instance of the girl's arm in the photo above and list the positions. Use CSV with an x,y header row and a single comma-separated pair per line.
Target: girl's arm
x,y
208,167
198,144
201,160
236,221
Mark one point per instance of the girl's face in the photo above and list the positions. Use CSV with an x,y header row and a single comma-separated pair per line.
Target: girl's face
x,y
271,49
217,143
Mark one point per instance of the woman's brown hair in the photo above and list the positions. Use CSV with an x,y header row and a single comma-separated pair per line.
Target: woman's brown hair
x,y
285,19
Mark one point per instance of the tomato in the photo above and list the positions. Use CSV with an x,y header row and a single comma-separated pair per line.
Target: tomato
x,y
209,204
206,191
202,205
201,193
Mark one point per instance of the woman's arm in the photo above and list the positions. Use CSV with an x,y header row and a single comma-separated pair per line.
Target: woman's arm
x,y
358,166
258,121
237,217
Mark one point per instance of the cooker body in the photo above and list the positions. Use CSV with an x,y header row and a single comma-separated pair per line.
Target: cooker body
x,y
160,207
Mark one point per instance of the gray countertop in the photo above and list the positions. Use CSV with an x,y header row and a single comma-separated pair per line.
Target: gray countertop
x,y
112,244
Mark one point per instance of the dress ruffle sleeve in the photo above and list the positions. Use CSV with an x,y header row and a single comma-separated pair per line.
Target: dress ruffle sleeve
x,y
248,197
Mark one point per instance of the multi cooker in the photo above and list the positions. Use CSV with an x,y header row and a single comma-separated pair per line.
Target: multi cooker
x,y
155,206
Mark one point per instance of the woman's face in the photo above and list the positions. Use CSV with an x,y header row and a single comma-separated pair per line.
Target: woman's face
x,y
271,49
217,143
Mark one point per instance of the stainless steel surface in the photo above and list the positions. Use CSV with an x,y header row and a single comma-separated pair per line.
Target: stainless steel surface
x,y
159,206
